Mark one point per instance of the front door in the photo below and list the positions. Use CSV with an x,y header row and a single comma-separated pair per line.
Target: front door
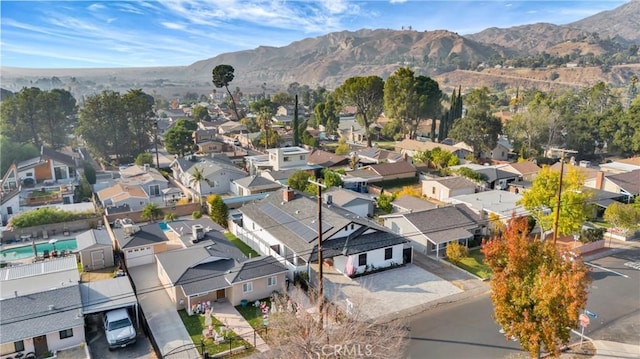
x,y
220,294
97,259
40,345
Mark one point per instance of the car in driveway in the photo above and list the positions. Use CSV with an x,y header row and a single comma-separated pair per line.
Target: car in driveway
x,y
119,329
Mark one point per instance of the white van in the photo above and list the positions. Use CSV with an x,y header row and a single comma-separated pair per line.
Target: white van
x,y
119,329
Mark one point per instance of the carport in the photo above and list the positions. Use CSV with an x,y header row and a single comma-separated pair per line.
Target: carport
x,y
109,294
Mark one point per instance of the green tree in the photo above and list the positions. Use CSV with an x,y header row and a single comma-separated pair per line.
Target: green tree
x,y
200,113
197,177
281,99
222,76
89,172
11,151
331,178
151,212
392,130
541,200
299,180
530,127
179,138
144,158
218,210
623,216
536,290
478,129
367,95
384,202
343,148
411,99
104,127
139,115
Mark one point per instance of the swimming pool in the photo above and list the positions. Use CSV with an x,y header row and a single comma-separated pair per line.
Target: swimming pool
x,y
26,251
164,226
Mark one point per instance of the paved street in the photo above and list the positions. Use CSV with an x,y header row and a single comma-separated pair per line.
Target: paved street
x,y
465,329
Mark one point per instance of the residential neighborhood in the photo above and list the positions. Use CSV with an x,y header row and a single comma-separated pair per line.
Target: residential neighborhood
x,y
382,218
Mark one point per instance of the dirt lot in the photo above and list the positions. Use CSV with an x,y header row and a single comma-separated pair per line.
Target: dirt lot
x,y
101,274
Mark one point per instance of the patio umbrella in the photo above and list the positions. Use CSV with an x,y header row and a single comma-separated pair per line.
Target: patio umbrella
x,y
53,243
35,250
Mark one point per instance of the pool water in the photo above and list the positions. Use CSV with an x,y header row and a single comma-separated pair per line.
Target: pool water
x,y
26,251
164,226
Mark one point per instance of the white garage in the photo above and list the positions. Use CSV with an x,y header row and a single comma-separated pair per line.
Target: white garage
x,y
139,256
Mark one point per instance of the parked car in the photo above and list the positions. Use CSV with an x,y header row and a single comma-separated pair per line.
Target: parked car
x,y
119,329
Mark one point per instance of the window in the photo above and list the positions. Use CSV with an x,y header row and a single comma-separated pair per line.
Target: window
x,y
154,190
19,346
68,333
362,259
247,287
301,157
433,190
352,226
9,210
388,253
285,158
271,281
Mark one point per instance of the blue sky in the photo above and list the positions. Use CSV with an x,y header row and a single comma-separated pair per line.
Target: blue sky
x,y
73,34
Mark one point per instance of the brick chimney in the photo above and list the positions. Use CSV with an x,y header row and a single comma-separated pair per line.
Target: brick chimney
x,y
599,179
288,194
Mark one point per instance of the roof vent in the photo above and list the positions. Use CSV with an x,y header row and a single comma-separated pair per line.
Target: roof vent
x,y
51,306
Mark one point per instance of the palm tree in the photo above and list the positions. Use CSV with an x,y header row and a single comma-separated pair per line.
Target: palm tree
x,y
151,212
197,177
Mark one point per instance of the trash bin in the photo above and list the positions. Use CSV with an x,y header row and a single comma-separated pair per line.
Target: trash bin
x,y
244,303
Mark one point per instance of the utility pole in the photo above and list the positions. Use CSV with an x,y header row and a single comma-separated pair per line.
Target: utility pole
x,y
558,199
320,289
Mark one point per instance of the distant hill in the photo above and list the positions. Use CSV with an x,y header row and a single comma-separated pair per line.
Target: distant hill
x,y
516,56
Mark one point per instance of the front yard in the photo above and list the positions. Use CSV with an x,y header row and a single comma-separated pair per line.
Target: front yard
x,y
253,315
474,263
195,324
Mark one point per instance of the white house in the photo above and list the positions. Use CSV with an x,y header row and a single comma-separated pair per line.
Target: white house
x,y
284,225
357,203
441,188
218,174
278,159
133,197
149,179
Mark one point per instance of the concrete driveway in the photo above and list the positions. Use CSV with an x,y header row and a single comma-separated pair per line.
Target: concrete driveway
x,y
98,347
394,293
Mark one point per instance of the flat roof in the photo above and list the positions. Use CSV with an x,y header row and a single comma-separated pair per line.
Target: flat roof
x,y
108,294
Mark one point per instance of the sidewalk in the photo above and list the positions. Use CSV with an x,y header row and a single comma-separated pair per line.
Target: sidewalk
x,y
607,350
227,314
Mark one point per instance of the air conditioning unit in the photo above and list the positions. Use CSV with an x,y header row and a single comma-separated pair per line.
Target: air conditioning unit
x,y
197,232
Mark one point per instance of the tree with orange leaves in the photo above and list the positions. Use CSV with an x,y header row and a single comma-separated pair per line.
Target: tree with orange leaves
x,y
536,290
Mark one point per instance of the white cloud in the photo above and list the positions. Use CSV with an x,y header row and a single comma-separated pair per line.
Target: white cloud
x,y
111,19
397,1
173,25
127,7
96,7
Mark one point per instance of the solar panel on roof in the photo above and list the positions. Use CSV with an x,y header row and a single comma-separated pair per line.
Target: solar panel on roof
x,y
302,230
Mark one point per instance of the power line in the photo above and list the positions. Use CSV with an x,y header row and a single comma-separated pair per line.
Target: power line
x,y
152,289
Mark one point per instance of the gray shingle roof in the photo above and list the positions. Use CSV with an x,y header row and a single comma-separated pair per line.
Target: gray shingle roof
x,y
93,237
412,204
148,235
342,197
454,182
445,224
359,244
255,268
29,316
256,181
629,181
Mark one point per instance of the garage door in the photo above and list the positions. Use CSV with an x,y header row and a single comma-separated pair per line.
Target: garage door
x,y
139,256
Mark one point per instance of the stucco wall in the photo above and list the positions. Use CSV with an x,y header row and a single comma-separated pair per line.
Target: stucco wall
x,y
260,289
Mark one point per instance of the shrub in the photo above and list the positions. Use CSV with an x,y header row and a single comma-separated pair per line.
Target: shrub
x,y
456,251
169,217
45,215
196,214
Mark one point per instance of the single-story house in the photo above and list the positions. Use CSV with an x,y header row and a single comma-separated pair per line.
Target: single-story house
x,y
284,225
445,187
279,176
139,244
503,204
526,170
42,322
253,185
35,277
393,170
218,174
430,231
621,166
214,270
327,159
354,202
132,196
374,155
407,203
626,184
95,249
493,176
410,147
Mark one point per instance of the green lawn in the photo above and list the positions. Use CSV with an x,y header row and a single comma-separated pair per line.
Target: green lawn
x,y
195,325
474,263
241,245
252,314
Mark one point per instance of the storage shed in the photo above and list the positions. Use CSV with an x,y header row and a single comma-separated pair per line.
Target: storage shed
x,y
95,249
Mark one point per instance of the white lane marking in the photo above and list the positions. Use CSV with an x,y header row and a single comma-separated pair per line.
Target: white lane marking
x,y
606,269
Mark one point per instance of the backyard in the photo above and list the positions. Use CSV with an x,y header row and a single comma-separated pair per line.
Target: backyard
x,y
250,253
195,325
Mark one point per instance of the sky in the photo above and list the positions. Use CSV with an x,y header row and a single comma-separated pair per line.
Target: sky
x,y
116,34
